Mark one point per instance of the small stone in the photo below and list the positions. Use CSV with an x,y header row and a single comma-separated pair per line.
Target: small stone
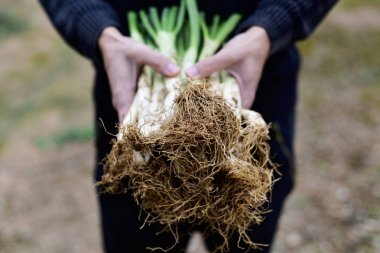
x,y
376,191
294,239
342,194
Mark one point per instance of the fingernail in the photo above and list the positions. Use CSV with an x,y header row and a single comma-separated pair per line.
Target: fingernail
x,y
192,73
172,68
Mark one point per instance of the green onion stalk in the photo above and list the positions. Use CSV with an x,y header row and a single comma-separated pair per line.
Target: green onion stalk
x,y
178,37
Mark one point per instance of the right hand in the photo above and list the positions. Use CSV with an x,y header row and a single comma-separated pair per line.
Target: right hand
x,y
244,57
123,57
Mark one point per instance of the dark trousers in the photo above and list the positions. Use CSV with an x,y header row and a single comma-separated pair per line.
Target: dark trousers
x,y
275,100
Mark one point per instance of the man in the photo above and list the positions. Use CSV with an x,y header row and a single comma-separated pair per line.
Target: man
x,y
261,56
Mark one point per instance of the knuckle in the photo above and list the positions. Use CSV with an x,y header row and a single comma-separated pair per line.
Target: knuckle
x,y
228,58
132,50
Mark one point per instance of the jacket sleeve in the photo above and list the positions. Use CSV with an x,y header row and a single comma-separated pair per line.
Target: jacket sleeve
x,y
287,21
80,22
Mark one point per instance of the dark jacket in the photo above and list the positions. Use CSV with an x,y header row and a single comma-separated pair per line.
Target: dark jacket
x,y
81,21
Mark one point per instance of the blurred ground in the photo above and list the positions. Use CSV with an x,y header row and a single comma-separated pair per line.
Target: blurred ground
x,y
47,203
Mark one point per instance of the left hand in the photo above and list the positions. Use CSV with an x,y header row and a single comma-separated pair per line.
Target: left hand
x,y
244,57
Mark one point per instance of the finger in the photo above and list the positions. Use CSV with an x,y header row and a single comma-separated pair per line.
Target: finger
x,y
247,95
247,99
122,79
157,61
204,68
248,79
122,100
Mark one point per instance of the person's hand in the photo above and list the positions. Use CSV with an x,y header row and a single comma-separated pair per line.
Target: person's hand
x,y
123,57
244,57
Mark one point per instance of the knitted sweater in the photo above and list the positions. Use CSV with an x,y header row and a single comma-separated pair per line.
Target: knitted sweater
x,y
80,22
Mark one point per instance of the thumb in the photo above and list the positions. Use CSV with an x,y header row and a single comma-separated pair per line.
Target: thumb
x,y
204,68
159,62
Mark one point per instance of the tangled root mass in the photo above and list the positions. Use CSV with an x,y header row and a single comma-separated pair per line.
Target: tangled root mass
x,y
205,166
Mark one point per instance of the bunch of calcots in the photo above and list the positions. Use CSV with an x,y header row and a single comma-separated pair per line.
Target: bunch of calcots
x,y
187,151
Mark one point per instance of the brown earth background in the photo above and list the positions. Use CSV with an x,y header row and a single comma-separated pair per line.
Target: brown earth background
x,y
47,201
